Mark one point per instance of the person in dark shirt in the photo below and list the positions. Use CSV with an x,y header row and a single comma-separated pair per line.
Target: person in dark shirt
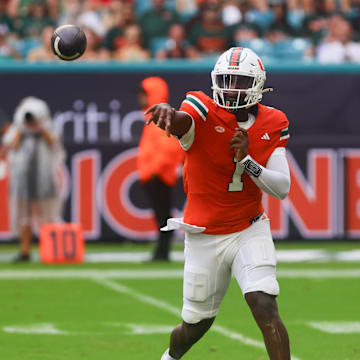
x,y
280,28
36,19
210,35
5,19
158,160
156,21
119,15
176,46
315,24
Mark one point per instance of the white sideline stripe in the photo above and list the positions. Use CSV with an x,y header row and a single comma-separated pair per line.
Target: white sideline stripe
x,y
336,327
48,329
302,255
162,274
281,255
316,255
353,255
175,311
319,274
91,274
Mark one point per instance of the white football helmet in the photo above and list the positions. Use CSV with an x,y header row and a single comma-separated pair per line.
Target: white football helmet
x,y
238,79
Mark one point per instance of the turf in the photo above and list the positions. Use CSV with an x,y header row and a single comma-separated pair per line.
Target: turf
x,y
101,322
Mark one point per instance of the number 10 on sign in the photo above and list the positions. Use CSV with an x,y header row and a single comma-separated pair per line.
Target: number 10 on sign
x,y
61,243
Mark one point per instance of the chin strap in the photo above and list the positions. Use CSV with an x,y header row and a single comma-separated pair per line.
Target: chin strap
x,y
267,90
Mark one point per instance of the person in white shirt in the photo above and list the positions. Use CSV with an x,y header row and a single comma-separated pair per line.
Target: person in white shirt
x,y
338,47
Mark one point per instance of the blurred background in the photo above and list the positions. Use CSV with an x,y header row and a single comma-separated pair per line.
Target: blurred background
x,y
117,305
311,50
326,31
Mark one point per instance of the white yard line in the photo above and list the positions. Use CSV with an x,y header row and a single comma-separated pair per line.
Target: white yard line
x,y
175,311
138,295
237,336
41,329
336,327
163,274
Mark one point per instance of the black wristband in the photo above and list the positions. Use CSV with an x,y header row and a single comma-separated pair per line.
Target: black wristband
x,y
252,168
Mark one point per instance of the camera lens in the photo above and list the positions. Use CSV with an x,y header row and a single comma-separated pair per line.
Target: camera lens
x,y
29,117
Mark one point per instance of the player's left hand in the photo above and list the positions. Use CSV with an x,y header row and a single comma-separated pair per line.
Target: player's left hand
x,y
240,143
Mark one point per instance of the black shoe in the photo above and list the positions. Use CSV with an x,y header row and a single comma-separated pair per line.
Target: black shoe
x,y
22,258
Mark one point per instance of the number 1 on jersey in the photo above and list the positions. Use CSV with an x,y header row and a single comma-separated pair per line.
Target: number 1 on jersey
x,y
236,183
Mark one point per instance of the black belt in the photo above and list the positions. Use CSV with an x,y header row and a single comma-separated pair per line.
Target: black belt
x,y
256,218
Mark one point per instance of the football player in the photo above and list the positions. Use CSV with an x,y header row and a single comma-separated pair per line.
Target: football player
x,y
235,150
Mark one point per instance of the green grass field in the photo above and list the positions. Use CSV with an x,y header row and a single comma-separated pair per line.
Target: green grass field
x,y
125,311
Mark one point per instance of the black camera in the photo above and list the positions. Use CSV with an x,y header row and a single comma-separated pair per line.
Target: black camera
x,y
29,118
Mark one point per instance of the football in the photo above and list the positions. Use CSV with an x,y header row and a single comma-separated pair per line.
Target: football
x,y
68,42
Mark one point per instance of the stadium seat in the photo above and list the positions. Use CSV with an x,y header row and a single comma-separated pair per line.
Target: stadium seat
x,y
292,49
262,47
5,58
141,6
157,43
23,46
144,5
186,16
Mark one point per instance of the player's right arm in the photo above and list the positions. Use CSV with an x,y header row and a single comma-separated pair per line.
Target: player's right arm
x,y
174,122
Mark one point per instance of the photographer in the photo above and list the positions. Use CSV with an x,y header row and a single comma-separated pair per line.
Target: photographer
x,y
35,157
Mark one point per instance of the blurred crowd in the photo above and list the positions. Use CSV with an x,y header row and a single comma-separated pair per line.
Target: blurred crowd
x,y
136,30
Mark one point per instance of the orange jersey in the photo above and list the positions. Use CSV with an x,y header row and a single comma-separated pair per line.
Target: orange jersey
x,y
158,154
220,196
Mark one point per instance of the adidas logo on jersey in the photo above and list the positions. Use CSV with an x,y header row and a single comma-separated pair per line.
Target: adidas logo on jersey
x,y
265,137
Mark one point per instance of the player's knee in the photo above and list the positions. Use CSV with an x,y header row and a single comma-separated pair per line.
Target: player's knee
x,y
193,332
266,284
192,317
263,307
197,298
